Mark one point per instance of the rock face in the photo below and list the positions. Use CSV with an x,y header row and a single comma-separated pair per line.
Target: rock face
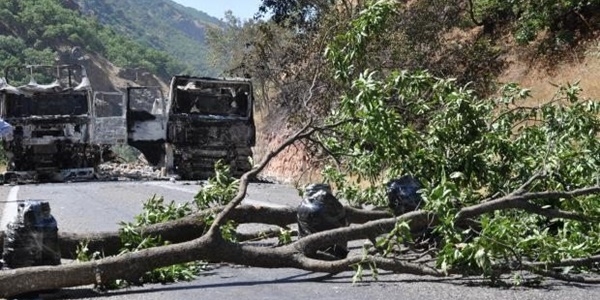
x,y
320,210
104,76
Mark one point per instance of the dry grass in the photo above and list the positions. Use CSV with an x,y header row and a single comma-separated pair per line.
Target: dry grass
x,y
542,80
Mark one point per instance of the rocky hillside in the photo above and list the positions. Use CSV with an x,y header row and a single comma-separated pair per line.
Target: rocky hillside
x,y
161,24
98,34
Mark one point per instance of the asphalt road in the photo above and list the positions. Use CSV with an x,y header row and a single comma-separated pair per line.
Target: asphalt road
x,y
100,206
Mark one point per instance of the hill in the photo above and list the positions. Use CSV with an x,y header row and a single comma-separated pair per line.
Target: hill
x,y
53,31
160,24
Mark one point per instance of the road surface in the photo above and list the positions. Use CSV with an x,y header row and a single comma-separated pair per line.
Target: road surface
x,y
100,206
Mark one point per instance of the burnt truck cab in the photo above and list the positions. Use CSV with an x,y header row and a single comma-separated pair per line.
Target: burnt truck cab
x,y
202,121
52,113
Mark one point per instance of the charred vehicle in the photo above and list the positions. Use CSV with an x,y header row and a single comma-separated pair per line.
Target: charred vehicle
x,y
203,120
60,130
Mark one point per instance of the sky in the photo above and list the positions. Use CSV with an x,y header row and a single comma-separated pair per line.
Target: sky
x,y
243,9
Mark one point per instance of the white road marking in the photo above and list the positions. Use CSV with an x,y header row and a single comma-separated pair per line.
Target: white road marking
x,y
10,208
172,186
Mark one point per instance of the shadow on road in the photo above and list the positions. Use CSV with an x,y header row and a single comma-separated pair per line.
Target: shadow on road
x,y
306,277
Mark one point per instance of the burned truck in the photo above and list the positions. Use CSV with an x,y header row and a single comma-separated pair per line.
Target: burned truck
x,y
202,121
63,130
56,132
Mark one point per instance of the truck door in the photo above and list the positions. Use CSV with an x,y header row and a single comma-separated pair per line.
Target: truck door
x,y
109,124
147,122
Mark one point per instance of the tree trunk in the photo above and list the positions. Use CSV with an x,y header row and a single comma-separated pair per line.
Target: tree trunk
x,y
193,226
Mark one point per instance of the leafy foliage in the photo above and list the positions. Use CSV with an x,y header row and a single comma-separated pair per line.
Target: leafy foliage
x,y
83,253
457,39
285,236
218,191
466,150
565,20
285,57
34,32
296,13
156,211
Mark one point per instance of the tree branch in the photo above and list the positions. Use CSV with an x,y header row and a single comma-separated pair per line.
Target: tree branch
x,y
244,180
551,213
564,277
130,265
572,262
194,226
515,201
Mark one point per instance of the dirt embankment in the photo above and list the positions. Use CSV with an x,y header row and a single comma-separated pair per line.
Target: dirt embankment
x,y
292,166
542,77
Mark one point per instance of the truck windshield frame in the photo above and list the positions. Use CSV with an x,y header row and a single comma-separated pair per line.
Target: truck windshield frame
x,y
212,99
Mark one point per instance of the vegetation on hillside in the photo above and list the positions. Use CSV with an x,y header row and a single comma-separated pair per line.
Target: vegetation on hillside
x,y
465,40
564,23
162,25
33,32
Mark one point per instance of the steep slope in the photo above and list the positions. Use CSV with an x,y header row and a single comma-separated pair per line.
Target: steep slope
x,y
161,24
579,67
53,31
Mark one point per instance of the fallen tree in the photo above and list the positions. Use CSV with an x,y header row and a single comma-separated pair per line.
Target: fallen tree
x,y
132,265
193,226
